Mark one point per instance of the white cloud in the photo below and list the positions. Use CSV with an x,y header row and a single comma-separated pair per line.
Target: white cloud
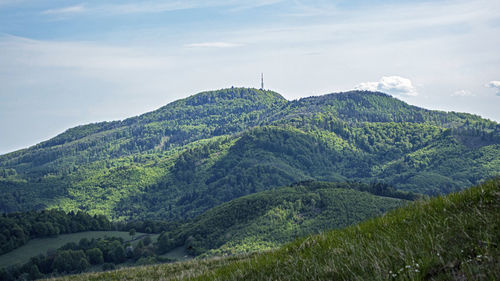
x,y
245,5
84,58
144,7
367,86
495,85
463,93
65,10
122,9
394,85
213,45
164,6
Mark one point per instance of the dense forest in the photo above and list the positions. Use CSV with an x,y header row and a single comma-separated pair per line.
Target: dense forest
x,y
268,219
196,153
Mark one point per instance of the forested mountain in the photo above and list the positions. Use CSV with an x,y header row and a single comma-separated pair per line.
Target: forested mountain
x,y
196,153
201,116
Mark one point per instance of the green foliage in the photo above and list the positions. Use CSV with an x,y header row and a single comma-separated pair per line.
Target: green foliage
x,y
76,258
196,153
95,256
376,107
198,117
439,240
268,219
19,228
40,246
271,156
69,260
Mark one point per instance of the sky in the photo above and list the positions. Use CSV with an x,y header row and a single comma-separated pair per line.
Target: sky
x,y
68,63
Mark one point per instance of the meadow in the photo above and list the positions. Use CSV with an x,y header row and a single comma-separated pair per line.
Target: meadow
x,y
43,245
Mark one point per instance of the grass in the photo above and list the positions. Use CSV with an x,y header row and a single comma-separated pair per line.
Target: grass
x,y
42,245
453,237
178,254
172,271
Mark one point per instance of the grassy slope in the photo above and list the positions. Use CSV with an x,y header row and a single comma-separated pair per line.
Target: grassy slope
x,y
454,237
42,245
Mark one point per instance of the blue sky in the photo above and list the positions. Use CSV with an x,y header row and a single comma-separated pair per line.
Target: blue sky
x,y
66,63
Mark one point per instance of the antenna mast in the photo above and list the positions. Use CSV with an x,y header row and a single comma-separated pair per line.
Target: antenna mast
x,y
262,81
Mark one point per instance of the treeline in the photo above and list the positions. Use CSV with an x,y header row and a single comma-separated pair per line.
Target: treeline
x,y
19,228
375,188
76,258
147,226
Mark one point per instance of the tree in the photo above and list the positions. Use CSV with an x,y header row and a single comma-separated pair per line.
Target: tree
x,y
95,256
83,264
132,232
84,243
62,262
118,254
108,266
34,273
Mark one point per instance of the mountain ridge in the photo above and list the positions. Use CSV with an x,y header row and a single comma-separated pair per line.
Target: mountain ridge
x,y
191,100
106,125
253,101
195,153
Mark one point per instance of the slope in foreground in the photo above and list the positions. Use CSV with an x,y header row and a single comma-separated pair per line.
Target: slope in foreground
x,y
454,237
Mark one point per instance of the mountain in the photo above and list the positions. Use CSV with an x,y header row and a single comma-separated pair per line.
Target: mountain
x,y
268,219
198,117
453,237
197,153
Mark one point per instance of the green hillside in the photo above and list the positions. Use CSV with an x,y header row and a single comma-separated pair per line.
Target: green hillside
x,y
453,237
268,219
196,153
200,116
257,222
